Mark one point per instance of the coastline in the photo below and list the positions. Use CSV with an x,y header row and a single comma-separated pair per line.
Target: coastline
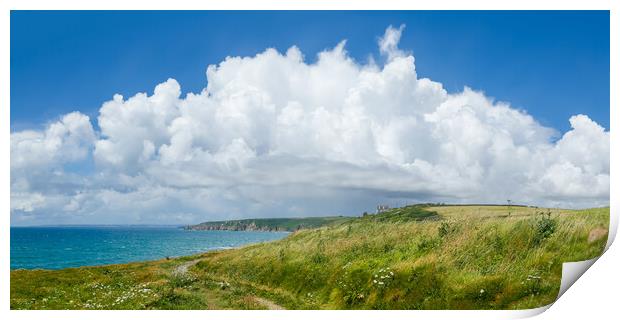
x,y
54,248
405,258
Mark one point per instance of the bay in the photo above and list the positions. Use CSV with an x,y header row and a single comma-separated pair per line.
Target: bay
x,y
75,246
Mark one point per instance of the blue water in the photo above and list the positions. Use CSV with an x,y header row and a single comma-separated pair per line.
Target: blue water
x,y
64,247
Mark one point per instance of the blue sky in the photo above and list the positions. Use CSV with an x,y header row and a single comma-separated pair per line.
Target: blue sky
x,y
383,119
552,64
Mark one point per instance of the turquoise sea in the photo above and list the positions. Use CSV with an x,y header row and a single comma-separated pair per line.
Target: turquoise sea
x,y
76,246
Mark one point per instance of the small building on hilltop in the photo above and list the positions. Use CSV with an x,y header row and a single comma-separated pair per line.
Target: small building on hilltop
x,y
382,208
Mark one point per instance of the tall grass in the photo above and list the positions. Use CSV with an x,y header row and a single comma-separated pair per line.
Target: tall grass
x,y
456,263
408,258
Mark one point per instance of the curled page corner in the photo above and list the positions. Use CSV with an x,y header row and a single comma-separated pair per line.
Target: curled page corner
x,y
571,271
528,313
613,227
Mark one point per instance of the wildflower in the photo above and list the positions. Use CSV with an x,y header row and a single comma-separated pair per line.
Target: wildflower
x,y
375,281
481,291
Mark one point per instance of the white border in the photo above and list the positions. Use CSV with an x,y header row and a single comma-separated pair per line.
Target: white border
x,y
594,296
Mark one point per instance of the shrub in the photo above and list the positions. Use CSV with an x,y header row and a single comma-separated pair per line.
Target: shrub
x,y
446,228
545,227
427,244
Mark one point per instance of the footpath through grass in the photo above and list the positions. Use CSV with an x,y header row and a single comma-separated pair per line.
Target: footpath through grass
x,y
448,257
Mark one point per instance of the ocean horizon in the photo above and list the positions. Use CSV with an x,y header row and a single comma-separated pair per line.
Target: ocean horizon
x,y
67,246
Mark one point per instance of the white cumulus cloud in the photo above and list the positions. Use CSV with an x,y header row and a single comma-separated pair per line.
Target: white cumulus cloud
x,y
274,135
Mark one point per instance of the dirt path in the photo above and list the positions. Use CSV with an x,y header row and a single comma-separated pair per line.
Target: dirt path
x,y
270,305
183,269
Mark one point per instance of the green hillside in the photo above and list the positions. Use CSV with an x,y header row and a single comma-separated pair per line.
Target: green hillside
x,y
448,257
269,224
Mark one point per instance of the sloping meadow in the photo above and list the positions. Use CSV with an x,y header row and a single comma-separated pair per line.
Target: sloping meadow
x,y
416,257
408,258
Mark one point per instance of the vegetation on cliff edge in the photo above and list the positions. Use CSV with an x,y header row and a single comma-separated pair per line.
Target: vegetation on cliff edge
x,y
448,257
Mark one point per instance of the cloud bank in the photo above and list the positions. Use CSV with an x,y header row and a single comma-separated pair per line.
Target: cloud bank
x,y
274,135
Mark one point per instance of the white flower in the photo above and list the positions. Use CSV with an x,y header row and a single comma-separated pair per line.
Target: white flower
x,y
481,291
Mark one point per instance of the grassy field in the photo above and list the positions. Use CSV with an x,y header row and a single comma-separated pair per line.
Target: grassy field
x,y
418,257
